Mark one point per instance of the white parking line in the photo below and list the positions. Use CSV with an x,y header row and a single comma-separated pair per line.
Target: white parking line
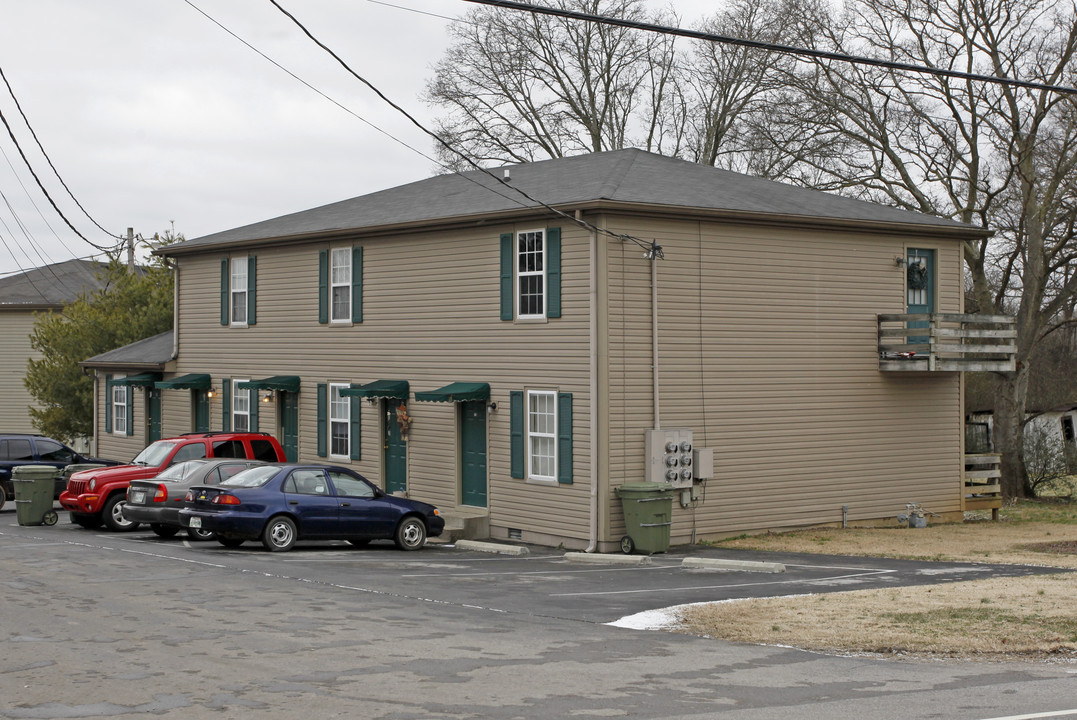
x,y
720,587
1030,716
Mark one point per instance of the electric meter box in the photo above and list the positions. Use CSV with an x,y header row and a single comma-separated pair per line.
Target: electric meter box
x,y
669,457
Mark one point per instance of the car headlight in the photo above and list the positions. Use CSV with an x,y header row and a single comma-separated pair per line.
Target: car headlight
x,y
93,484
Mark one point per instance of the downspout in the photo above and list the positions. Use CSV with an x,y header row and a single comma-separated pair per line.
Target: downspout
x,y
96,389
593,383
175,307
654,333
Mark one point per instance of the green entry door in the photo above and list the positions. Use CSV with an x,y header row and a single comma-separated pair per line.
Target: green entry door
x,y
396,453
289,425
473,453
920,287
153,415
201,410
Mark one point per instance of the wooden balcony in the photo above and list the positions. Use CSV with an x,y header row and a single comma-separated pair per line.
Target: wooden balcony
x,y
947,342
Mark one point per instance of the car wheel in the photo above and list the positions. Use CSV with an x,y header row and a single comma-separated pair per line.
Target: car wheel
x,y
112,514
410,534
201,535
87,521
279,534
359,542
3,496
165,531
230,542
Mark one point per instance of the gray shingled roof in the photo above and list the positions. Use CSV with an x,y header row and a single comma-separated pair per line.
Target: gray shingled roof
x,y
50,285
616,177
149,352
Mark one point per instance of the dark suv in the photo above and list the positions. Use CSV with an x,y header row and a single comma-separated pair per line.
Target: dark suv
x,y
30,449
96,497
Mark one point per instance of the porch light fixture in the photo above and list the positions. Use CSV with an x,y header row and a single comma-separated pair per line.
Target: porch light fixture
x,y
212,392
268,397
491,408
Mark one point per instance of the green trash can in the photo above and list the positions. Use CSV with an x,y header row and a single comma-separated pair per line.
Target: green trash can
x,y
648,509
34,489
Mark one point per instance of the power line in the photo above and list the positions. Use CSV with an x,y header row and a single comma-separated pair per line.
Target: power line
x,y
770,47
49,160
652,246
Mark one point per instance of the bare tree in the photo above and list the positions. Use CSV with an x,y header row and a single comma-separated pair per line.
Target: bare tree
x,y
1001,157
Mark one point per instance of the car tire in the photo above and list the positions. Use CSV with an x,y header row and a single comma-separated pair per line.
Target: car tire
x,y
230,542
3,496
112,514
164,531
90,522
199,535
279,534
359,542
410,534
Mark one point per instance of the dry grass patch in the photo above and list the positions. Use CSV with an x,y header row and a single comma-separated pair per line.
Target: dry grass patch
x,y
1026,618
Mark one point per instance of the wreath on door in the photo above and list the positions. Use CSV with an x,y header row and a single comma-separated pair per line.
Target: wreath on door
x,y
917,275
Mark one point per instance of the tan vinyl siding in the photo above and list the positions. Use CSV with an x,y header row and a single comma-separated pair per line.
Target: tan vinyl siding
x,y
768,351
118,446
15,329
430,316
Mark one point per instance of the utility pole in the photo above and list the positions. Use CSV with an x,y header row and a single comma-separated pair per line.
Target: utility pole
x,y
130,250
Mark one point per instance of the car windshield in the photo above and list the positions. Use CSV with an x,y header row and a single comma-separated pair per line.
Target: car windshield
x,y
181,471
253,477
154,454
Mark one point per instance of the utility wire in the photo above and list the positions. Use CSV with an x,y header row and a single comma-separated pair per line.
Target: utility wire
x,y
770,47
651,246
49,160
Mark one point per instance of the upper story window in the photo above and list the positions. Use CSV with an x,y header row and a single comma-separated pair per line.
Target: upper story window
x,y
239,293
119,409
531,274
340,280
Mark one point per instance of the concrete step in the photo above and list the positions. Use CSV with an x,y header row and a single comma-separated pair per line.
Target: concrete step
x,y
464,523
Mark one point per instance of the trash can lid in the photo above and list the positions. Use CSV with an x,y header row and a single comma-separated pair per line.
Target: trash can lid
x,y
645,487
31,472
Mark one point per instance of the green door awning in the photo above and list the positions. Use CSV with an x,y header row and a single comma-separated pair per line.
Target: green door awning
x,y
145,379
380,389
285,383
456,392
191,381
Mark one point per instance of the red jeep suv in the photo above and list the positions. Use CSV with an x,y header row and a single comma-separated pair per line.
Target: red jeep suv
x,y
97,496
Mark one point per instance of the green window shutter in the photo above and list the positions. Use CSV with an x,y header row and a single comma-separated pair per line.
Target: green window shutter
x,y
323,409
226,279
357,286
323,287
253,403
516,434
553,272
226,405
252,290
129,393
108,403
356,437
506,276
564,438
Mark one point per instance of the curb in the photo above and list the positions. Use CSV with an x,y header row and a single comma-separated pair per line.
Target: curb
x,y
742,565
607,559
491,547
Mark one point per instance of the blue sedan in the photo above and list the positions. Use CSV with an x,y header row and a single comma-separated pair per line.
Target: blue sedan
x,y
280,504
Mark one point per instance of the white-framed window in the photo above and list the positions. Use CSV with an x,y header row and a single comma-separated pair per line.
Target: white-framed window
x,y
340,285
339,421
541,435
241,407
531,274
119,409
238,291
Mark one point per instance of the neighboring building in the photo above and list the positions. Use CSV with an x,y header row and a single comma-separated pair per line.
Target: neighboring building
x,y
1054,426
458,342
23,298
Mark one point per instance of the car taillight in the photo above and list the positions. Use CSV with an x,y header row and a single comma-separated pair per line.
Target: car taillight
x,y
162,494
226,500
190,496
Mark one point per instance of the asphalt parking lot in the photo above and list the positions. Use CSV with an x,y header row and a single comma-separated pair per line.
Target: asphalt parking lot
x,y
544,582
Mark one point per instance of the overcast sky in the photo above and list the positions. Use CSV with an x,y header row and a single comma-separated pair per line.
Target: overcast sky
x,y
154,115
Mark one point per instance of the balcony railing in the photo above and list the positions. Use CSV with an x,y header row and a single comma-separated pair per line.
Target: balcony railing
x,y
947,342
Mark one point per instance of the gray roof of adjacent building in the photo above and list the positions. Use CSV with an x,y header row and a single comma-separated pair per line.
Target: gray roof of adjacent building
x,y
149,353
50,286
625,179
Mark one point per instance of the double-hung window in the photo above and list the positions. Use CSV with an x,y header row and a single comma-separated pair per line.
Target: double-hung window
x,y
339,421
340,282
542,435
239,293
119,409
531,274
241,407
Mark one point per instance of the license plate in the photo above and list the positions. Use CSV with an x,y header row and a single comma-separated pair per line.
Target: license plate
x,y
138,498
195,523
